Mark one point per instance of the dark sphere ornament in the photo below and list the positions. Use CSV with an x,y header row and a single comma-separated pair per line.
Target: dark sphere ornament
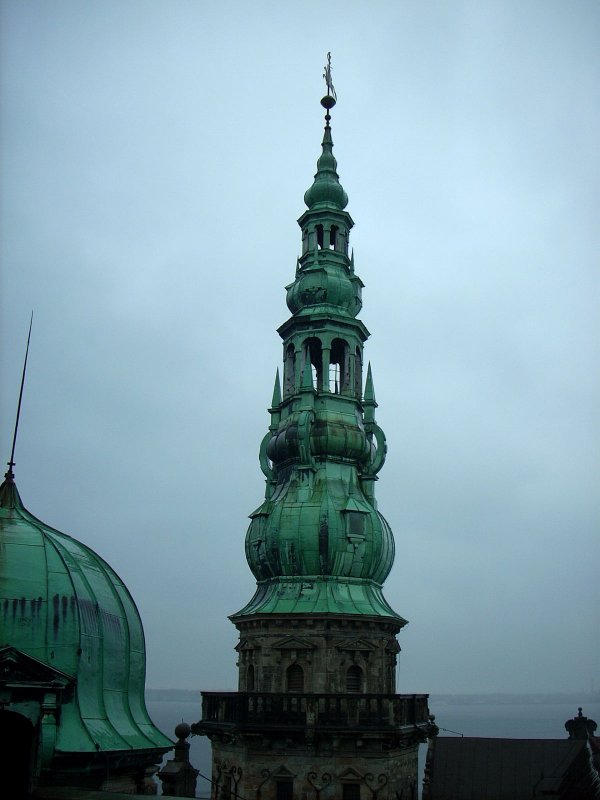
x,y
182,731
328,101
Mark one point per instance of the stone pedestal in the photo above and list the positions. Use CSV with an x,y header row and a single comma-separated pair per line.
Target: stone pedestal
x,y
178,776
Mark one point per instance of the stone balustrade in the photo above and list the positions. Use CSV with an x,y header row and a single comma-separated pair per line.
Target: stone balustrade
x,y
331,711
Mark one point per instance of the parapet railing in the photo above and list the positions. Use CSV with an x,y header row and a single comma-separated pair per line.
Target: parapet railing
x,y
247,709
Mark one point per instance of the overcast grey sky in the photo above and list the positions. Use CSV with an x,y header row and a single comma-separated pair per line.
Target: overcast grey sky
x,y
154,159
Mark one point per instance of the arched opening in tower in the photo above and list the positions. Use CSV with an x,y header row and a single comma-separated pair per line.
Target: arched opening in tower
x,y
313,352
339,367
333,237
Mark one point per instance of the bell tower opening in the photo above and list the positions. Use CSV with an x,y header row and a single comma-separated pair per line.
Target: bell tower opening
x,y
339,367
313,352
333,237
320,237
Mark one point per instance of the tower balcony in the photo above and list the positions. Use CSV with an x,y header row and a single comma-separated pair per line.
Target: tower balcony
x,y
267,711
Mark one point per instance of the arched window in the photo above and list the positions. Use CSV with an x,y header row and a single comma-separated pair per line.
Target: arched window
x,y
250,679
295,678
312,351
354,679
333,237
320,236
339,367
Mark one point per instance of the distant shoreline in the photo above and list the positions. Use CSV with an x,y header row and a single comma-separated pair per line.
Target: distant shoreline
x,y
491,698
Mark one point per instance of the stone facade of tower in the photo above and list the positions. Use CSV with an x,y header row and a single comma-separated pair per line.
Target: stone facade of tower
x,y
317,712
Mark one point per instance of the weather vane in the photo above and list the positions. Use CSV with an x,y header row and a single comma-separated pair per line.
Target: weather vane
x,y
328,80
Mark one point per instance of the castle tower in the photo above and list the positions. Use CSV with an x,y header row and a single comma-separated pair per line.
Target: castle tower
x,y
317,711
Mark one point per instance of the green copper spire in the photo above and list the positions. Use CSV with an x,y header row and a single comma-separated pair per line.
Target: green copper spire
x,y
318,544
326,191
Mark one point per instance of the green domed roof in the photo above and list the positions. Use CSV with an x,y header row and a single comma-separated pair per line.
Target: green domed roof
x,y
326,190
66,607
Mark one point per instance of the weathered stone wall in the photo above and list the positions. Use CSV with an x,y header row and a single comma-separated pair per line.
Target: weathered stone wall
x,y
325,649
253,771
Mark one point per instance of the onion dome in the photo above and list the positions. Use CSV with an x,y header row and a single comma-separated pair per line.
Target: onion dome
x,y
325,287
326,191
65,610
331,551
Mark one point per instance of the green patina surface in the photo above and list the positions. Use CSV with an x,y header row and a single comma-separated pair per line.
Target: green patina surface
x,y
63,606
318,544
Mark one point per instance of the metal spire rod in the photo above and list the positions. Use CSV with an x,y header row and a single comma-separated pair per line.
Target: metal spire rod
x,y
11,463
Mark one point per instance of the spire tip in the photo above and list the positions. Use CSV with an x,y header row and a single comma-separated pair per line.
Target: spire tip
x,y
330,98
9,475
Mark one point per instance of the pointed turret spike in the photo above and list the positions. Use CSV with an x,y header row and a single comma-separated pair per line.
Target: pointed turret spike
x,y
276,401
369,396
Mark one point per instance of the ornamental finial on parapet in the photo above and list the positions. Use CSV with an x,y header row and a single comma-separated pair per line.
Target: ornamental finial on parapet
x,y
330,98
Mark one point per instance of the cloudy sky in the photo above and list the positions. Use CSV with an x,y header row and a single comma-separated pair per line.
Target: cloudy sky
x,y
154,159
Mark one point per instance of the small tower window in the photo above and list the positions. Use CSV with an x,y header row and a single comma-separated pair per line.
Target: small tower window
x,y
333,237
334,378
314,353
250,679
354,679
351,791
355,522
320,237
295,678
339,367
